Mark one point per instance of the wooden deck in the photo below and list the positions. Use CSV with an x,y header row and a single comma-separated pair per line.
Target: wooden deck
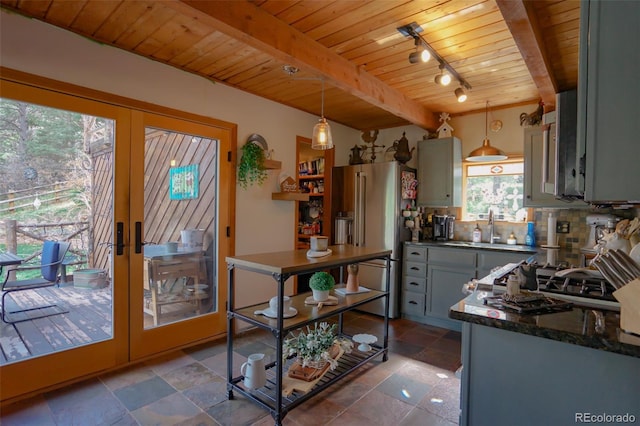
x,y
88,321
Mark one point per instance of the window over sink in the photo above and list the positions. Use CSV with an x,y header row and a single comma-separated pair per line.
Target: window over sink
x,y
497,187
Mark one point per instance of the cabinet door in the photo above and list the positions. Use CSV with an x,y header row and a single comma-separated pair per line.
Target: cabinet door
x,y
440,172
609,100
533,195
444,289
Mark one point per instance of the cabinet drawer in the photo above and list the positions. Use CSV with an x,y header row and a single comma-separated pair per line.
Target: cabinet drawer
x,y
415,284
413,303
415,269
415,254
459,257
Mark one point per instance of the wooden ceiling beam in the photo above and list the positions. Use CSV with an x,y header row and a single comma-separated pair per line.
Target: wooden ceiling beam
x,y
520,18
257,28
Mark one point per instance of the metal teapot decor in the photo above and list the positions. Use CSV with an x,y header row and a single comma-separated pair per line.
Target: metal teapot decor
x,y
356,155
403,154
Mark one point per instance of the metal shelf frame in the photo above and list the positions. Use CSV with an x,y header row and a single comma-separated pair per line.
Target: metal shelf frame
x,y
282,266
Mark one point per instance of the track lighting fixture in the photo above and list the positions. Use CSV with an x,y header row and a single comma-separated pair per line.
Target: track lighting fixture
x,y
420,55
461,94
447,72
486,152
444,78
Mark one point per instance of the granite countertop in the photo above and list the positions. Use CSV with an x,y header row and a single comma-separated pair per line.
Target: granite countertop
x,y
575,326
568,257
476,246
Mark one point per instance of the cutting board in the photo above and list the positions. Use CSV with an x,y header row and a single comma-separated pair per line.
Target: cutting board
x,y
290,385
332,300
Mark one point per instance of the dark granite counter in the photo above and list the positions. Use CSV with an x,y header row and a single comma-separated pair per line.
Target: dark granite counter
x,y
570,258
576,326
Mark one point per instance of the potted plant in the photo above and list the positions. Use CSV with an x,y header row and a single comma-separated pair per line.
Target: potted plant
x,y
321,284
251,167
316,346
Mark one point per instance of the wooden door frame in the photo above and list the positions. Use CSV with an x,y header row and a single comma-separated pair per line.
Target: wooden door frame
x,y
23,379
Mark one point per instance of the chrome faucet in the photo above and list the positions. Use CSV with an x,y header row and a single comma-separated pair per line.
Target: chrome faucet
x,y
492,236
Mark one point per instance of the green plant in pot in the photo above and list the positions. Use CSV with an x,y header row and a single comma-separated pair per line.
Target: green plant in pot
x,y
321,284
251,167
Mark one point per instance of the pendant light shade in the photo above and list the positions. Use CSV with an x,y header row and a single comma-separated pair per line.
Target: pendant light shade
x,y
321,138
486,152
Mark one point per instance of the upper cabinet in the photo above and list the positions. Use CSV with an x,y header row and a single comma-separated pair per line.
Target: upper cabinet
x,y
440,172
533,191
314,179
609,101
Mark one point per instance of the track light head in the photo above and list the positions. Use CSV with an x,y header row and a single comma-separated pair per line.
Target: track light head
x,y
443,79
461,94
419,56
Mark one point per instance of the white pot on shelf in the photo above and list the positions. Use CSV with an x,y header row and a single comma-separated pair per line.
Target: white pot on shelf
x,y
320,295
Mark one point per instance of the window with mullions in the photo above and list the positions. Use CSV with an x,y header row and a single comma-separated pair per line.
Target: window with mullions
x,y
497,187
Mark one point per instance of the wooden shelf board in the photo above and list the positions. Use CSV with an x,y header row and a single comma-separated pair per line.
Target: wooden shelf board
x,y
310,177
290,196
272,164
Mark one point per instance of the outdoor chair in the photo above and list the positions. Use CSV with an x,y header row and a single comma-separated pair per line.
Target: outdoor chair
x,y
53,253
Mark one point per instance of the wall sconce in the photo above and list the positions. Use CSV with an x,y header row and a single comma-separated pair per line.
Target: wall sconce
x,y
321,138
447,72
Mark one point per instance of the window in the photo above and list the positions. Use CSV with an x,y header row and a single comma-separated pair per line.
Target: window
x,y
494,186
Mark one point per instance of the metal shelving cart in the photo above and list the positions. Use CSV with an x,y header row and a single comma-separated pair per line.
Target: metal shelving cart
x,y
281,266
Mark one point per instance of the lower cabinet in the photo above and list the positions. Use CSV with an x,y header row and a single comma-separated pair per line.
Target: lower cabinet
x,y
433,277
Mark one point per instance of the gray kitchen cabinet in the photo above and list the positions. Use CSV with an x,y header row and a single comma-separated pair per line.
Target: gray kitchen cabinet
x,y
440,172
414,280
433,276
533,154
609,101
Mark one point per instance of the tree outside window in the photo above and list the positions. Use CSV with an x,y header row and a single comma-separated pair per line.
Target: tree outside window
x,y
495,187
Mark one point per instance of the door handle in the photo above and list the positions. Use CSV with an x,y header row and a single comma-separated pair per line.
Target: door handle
x,y
119,238
138,237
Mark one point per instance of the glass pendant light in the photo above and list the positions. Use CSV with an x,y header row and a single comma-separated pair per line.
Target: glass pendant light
x,y
321,138
486,152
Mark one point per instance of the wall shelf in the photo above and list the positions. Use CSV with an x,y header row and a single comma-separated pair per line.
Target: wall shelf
x,y
272,164
290,196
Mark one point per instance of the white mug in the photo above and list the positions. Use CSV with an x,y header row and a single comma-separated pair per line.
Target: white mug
x,y
286,302
254,372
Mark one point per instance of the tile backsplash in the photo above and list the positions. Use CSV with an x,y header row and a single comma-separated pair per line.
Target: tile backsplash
x,y
575,239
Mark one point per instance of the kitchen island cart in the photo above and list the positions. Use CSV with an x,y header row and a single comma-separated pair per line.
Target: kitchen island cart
x,y
282,265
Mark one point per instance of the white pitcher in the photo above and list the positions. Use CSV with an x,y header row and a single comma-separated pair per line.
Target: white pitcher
x,y
254,372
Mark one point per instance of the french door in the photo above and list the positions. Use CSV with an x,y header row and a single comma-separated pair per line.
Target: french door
x,y
150,177
180,214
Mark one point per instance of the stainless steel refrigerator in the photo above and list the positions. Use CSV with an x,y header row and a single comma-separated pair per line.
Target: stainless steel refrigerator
x,y
372,195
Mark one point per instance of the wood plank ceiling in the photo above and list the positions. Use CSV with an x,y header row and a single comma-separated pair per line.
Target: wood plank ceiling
x,y
509,51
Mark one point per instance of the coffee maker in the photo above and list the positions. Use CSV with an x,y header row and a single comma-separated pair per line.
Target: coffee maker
x,y
443,226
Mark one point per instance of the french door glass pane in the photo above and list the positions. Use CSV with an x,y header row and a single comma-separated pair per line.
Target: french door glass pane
x,y
56,183
180,197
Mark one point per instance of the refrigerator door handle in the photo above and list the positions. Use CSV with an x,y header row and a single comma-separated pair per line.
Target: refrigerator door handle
x,y
361,185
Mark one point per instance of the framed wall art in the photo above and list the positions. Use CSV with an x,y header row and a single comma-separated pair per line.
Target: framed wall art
x,y
183,182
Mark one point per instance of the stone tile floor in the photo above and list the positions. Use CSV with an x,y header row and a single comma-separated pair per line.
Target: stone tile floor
x,y
416,386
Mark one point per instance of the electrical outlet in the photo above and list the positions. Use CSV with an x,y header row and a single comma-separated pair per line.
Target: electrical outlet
x,y
563,227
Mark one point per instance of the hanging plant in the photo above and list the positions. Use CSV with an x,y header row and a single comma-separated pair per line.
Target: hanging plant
x,y
251,168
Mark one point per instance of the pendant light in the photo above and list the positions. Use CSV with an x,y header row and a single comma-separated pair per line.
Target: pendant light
x,y
321,138
486,152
